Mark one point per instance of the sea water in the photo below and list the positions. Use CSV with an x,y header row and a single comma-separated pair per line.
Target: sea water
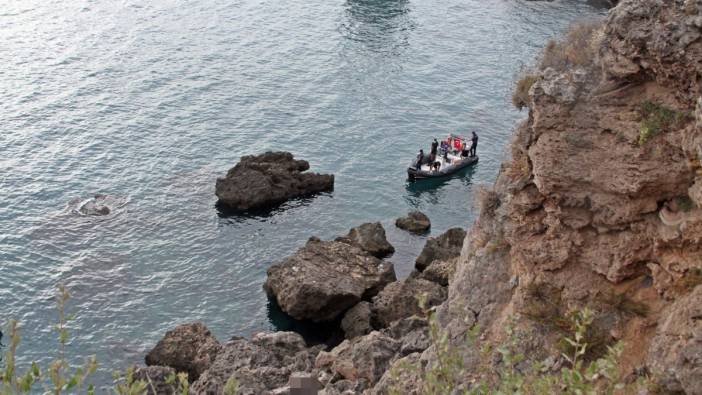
x,y
148,102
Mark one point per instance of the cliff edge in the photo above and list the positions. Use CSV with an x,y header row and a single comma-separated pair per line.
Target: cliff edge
x,y
599,205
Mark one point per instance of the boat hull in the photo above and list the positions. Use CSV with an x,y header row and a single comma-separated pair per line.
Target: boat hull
x,y
415,174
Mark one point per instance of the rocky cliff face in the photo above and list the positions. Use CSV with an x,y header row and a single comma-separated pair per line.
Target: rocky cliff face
x,y
599,205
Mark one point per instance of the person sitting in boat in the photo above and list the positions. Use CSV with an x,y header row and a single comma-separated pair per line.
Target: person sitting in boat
x,y
465,151
420,159
444,147
436,166
474,144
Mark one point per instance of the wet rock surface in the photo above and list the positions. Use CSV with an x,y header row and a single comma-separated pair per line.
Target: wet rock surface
x,y
415,222
267,180
325,278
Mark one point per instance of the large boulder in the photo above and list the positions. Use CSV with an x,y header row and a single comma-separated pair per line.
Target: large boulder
x,y
675,355
400,299
260,366
357,321
366,357
371,238
439,271
444,247
415,222
325,278
267,180
189,348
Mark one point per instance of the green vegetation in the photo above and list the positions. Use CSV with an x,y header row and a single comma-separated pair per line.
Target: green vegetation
x,y
657,119
515,373
62,378
684,203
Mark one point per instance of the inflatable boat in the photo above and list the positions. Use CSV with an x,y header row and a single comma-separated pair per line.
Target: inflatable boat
x,y
452,157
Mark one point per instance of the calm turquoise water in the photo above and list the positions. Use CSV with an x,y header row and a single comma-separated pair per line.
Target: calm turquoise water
x,y
150,102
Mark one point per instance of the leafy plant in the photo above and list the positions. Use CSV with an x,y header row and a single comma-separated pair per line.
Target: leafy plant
x,y
59,377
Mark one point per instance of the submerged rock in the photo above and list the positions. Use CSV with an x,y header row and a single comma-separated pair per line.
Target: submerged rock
x,y
444,247
415,222
189,348
371,238
325,278
267,180
98,205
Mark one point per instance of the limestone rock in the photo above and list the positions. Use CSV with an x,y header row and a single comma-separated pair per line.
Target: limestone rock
x,y
675,355
409,381
267,180
260,365
189,348
439,271
400,299
357,321
371,238
366,357
412,332
415,222
444,247
325,278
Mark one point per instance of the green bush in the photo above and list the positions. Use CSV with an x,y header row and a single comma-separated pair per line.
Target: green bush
x,y
600,376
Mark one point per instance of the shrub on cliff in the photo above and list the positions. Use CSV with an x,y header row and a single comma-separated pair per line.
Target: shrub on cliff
x,y
579,47
447,374
520,97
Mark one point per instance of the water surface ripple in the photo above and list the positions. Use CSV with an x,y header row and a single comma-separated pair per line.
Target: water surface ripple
x,y
148,102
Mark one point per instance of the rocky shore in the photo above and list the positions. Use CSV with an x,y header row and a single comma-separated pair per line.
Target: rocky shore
x,y
599,207
343,280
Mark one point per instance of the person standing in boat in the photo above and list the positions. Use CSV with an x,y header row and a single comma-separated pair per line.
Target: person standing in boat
x,y
420,159
434,147
474,144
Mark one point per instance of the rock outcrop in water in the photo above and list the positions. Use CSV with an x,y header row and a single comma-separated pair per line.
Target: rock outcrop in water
x,y
325,278
415,222
269,179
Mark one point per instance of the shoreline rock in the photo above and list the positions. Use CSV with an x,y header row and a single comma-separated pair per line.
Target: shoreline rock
x,y
189,348
442,248
325,278
267,180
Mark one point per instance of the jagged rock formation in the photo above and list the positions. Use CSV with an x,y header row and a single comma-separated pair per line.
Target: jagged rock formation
x,y
371,238
267,180
448,245
594,211
189,348
325,278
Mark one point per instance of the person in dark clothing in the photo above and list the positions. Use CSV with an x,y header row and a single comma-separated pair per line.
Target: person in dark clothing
x,y
434,147
420,159
474,144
